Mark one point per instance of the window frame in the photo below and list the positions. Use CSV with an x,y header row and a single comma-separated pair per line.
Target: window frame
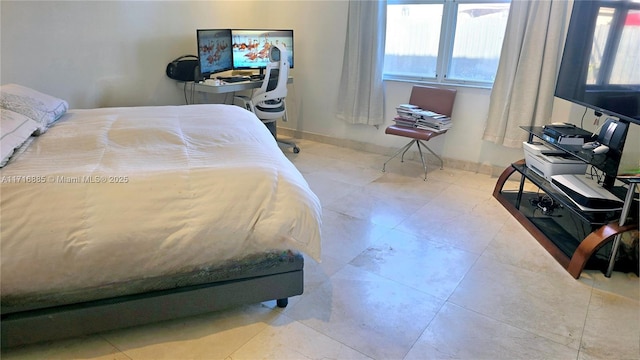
x,y
445,45
614,37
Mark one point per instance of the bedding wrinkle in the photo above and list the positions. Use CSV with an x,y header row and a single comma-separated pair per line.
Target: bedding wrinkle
x,y
103,140
174,242
264,207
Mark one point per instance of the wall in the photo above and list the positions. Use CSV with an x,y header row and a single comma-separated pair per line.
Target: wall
x,y
106,53
114,53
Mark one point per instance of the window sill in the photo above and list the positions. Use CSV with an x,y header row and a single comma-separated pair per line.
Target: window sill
x,y
423,81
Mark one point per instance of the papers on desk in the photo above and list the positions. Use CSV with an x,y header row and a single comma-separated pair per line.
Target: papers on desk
x,y
214,82
226,80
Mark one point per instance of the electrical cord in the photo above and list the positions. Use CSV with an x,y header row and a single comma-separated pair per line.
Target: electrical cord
x,y
596,120
184,90
545,204
596,175
190,89
582,119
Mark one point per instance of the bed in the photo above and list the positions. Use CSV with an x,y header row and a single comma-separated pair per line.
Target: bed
x,y
116,217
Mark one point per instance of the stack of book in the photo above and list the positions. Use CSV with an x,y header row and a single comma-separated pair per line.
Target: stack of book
x,y
405,115
430,120
413,116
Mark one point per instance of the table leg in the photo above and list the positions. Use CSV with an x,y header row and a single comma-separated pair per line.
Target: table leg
x,y
623,218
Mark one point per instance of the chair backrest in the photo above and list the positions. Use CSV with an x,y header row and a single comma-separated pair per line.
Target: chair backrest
x,y
434,99
276,76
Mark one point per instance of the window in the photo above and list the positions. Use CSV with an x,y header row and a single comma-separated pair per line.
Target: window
x,y
615,52
445,41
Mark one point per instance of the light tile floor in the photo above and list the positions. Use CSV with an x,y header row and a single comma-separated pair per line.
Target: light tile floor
x,y
411,270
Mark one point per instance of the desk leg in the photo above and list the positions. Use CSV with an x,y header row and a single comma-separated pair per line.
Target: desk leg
x,y
623,219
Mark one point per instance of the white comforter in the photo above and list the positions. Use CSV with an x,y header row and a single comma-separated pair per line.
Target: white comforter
x,y
113,194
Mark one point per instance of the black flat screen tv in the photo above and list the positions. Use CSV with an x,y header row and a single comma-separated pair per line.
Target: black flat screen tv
x,y
214,51
251,47
600,66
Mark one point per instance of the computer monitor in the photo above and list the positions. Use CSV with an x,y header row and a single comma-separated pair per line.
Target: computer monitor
x,y
251,47
214,51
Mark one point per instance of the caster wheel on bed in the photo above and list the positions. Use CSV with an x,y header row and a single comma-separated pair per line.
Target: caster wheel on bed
x,y
296,150
282,303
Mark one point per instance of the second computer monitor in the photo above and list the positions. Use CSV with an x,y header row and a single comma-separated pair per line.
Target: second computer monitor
x,y
251,47
214,51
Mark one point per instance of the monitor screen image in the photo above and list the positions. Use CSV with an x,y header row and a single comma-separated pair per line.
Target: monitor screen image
x,y
600,66
251,47
214,51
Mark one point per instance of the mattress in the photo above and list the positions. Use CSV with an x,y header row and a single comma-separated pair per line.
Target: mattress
x,y
115,195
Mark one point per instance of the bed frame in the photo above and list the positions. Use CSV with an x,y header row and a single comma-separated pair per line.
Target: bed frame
x,y
278,280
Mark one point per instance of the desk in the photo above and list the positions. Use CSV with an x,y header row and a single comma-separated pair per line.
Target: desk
x,y
230,88
225,88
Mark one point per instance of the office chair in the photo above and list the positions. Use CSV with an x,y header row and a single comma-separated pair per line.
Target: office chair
x,y
268,102
427,98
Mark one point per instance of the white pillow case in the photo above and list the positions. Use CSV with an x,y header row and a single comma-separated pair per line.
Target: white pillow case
x,y
15,130
42,108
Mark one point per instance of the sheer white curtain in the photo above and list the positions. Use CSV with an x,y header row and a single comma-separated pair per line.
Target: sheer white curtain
x,y
523,90
361,93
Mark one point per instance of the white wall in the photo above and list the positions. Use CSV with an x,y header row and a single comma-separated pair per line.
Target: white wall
x,y
114,53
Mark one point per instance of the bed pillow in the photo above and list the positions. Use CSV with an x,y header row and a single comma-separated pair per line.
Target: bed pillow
x,y
15,130
42,108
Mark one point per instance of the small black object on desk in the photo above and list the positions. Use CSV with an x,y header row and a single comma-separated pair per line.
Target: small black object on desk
x,y
233,79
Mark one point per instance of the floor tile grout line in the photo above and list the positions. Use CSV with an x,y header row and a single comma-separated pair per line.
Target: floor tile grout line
x,y
101,335
584,323
435,315
513,325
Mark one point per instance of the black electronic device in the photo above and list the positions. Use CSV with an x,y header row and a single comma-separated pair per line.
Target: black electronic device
x,y
183,68
234,79
251,47
214,51
600,66
585,192
557,131
613,134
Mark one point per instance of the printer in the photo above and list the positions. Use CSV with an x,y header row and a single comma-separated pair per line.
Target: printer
x,y
548,162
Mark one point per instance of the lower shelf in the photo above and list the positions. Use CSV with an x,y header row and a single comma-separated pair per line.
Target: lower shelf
x,y
572,250
561,238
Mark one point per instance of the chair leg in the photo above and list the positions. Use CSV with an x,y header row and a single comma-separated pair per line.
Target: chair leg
x,y
424,166
291,144
273,129
402,150
434,154
406,148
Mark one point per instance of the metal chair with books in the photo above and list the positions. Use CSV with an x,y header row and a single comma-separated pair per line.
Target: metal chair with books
x,y
426,109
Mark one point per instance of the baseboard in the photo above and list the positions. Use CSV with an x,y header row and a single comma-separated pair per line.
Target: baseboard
x,y
487,169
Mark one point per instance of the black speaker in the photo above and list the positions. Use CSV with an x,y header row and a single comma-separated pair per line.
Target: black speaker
x,y
184,68
613,134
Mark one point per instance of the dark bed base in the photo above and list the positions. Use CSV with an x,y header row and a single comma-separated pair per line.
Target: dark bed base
x,y
74,320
